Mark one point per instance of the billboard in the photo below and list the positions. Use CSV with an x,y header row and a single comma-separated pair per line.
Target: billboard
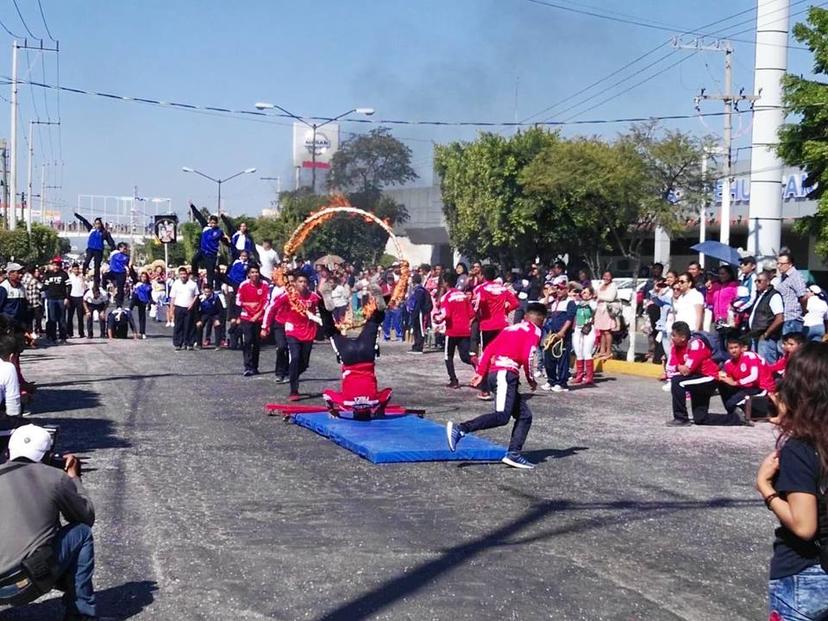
x,y
325,144
166,229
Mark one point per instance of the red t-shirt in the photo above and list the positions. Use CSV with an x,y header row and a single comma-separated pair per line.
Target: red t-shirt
x,y
697,356
493,302
299,325
511,350
275,311
458,313
750,371
252,298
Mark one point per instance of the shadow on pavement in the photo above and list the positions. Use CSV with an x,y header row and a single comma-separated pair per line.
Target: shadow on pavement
x,y
80,435
122,602
49,399
542,455
112,378
387,593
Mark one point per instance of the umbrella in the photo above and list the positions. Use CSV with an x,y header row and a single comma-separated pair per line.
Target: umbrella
x,y
718,250
329,260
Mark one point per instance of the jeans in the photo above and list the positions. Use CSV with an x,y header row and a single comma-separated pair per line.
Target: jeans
x,y
557,368
814,333
75,551
768,349
801,597
392,321
55,319
509,403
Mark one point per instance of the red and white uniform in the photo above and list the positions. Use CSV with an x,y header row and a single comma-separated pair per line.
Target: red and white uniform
x,y
252,298
493,302
299,325
697,356
779,366
511,350
275,312
750,371
359,389
458,312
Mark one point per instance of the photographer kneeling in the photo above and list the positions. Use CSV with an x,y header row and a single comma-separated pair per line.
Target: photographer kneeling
x,y
36,554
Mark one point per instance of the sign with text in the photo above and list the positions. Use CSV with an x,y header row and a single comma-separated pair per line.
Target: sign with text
x,y
324,142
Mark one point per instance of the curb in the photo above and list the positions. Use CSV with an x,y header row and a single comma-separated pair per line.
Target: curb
x,y
640,369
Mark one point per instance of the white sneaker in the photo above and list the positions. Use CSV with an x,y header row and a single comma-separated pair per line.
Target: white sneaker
x,y
667,387
557,388
547,386
169,324
539,374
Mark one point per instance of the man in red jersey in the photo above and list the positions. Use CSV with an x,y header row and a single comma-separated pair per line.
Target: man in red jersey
x,y
501,362
457,312
745,375
301,320
359,396
252,299
492,302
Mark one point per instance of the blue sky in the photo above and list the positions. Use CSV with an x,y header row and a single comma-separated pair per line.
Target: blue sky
x,y
409,59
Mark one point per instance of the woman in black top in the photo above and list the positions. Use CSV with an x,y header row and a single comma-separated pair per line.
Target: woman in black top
x,y
792,481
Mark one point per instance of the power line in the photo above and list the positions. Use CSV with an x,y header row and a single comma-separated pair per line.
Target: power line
x,y
45,24
23,21
9,32
642,24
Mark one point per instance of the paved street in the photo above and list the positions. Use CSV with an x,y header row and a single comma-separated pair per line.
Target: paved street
x,y
207,509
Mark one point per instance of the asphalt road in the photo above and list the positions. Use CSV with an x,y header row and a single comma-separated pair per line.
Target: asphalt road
x,y
207,509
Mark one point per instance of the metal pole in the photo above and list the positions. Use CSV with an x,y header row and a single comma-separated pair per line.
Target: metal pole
x,y
703,211
42,194
296,179
765,216
132,211
12,220
724,228
28,214
313,161
6,180
219,197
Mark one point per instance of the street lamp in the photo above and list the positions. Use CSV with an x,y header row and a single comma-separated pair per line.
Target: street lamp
x,y
218,182
262,105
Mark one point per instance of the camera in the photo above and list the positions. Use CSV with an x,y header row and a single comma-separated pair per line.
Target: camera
x,y
52,457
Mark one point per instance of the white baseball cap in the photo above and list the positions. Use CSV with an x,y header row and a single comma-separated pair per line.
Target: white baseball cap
x,y
31,442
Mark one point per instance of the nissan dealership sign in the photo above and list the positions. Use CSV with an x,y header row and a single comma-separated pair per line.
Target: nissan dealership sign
x,y
305,144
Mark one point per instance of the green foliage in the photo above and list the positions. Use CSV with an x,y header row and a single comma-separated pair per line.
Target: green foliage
x,y
490,214
38,248
369,162
804,143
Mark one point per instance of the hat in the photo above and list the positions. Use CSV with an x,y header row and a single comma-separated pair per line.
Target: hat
x,y
815,289
57,260
31,442
747,259
13,267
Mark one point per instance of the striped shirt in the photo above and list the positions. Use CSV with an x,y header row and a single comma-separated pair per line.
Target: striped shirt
x,y
792,287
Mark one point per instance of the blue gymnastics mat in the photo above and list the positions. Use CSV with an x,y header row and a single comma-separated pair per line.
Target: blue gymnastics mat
x,y
398,439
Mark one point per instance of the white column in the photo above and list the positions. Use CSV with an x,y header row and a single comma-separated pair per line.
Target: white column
x,y
765,216
661,250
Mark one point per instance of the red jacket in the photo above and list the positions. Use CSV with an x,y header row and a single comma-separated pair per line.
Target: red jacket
x,y
493,301
779,365
299,325
275,312
697,356
511,350
252,299
456,308
750,371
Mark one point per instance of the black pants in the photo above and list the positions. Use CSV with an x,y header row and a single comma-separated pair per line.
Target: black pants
x,y
735,396
36,319
101,320
142,314
418,329
487,336
250,349
182,332
119,280
509,403
475,337
209,261
75,309
95,257
461,344
282,357
701,388
298,360
205,326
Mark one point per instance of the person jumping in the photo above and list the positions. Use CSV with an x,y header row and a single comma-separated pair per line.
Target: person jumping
x,y
95,245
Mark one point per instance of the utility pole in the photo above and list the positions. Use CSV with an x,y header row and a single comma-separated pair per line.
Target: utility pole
x,y
12,212
42,195
28,214
730,101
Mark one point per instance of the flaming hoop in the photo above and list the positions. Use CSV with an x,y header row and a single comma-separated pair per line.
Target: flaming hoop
x,y
339,204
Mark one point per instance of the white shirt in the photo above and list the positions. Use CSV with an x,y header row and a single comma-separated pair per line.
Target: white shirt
x,y
9,388
241,242
685,308
340,296
89,297
77,286
183,294
268,260
815,310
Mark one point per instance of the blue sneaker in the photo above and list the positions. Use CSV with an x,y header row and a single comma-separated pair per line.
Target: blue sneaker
x,y
453,435
516,460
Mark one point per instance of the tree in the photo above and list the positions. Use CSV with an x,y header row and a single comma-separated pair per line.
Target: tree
x,y
370,162
38,248
488,212
804,143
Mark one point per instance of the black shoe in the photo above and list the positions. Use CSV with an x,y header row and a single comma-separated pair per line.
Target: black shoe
x,y
743,417
282,380
248,373
678,422
453,384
